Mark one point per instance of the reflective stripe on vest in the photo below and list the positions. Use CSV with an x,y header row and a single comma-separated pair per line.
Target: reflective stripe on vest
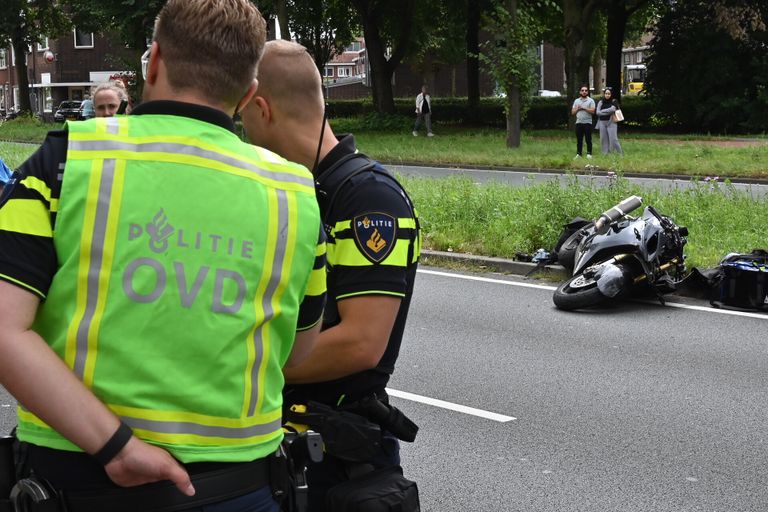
x,y
190,307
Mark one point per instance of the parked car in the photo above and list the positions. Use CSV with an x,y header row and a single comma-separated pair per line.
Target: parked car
x,y
69,110
549,94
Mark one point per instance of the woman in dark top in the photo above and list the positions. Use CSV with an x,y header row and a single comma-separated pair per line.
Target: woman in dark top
x,y
609,137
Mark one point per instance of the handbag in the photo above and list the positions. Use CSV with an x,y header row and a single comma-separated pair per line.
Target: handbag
x,y
617,116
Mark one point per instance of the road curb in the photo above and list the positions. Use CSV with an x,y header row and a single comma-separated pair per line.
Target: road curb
x,y
584,172
522,268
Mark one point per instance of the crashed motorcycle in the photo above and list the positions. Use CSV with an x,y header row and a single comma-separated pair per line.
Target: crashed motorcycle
x,y
619,255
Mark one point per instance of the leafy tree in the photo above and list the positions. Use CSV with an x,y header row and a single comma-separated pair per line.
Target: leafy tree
x,y
707,66
435,45
387,24
579,38
25,22
324,27
130,21
618,13
511,58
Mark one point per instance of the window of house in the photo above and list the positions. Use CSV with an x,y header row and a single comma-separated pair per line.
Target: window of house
x,y
83,39
47,100
354,47
627,59
328,72
41,47
3,59
344,72
639,57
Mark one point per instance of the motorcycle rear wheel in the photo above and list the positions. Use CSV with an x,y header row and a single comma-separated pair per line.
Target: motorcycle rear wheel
x,y
578,292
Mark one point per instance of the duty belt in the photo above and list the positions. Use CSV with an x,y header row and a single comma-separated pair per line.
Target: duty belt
x,y
211,487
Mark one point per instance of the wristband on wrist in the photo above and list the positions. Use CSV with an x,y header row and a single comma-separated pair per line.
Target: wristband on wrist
x,y
116,443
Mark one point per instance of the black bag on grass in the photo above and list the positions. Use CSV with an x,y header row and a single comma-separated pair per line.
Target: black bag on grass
x,y
742,282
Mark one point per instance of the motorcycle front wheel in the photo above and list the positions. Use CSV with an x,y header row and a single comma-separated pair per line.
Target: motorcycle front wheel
x,y
578,292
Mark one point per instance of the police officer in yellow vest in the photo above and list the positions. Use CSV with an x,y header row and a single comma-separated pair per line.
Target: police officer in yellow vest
x,y
373,252
156,276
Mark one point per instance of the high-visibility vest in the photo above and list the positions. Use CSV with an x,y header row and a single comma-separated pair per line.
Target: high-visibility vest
x,y
183,256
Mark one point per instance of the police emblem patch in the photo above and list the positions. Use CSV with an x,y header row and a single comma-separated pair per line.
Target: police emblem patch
x,y
375,234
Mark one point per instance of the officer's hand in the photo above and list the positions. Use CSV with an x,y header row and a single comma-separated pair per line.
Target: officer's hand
x,y
141,463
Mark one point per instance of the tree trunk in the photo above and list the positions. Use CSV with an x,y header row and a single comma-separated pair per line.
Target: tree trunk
x,y
617,23
513,92
473,62
282,19
578,17
22,76
381,75
381,68
597,69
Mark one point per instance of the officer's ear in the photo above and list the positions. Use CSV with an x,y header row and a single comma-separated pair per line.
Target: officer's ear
x,y
262,108
247,97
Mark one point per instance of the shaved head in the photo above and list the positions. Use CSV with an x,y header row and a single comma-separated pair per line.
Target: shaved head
x,y
290,81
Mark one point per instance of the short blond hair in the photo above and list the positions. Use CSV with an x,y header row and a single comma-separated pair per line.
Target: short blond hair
x,y
211,46
289,78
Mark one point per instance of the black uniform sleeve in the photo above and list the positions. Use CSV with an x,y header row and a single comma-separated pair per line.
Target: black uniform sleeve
x,y
373,241
27,254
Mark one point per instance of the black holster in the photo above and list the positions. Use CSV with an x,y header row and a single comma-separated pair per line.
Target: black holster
x,y
346,435
288,469
387,416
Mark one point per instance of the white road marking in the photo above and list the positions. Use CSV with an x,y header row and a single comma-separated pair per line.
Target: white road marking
x,y
759,316
451,406
487,280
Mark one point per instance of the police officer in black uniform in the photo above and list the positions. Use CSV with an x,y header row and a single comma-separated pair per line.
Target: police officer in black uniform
x,y
373,249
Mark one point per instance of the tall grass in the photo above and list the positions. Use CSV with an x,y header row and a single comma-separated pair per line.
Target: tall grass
x,y
14,154
499,220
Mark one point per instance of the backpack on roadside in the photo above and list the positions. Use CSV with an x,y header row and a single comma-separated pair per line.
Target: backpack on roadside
x,y
741,282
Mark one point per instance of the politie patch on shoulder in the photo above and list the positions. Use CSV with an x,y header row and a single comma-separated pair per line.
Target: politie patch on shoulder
x,y
375,234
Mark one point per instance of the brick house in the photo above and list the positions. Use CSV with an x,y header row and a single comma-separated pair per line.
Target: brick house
x,y
345,75
76,61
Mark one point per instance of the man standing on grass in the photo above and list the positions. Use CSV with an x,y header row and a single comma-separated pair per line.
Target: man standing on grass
x,y
423,112
583,108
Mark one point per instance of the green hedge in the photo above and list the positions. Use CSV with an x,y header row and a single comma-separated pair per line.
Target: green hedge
x,y
544,113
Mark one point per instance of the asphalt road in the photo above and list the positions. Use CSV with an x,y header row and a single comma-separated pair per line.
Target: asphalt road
x,y
636,407
633,408
518,178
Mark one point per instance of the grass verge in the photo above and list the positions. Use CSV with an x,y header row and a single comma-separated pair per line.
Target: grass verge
x,y
498,220
690,156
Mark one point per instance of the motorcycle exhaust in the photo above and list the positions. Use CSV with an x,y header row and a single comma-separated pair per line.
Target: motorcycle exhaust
x,y
620,210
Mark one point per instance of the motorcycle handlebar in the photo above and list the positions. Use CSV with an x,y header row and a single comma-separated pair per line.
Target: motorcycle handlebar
x,y
615,213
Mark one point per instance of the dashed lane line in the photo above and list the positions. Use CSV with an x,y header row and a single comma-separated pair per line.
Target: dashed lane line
x,y
450,406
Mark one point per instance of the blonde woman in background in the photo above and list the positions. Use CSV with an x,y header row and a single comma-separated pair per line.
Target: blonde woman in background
x,y
107,97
